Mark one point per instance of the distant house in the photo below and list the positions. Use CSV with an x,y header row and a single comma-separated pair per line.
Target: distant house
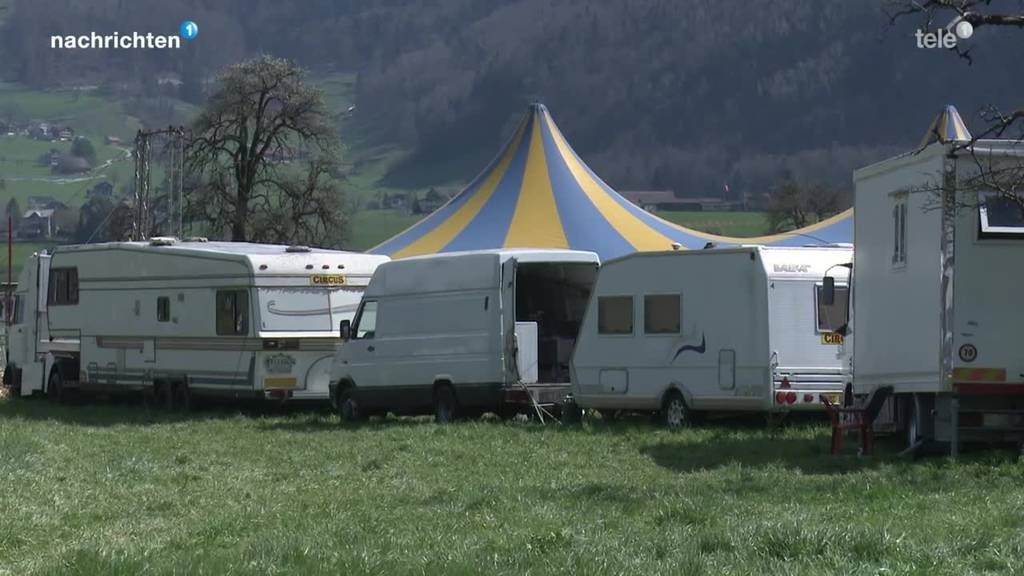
x,y
40,131
37,223
112,141
66,134
655,200
45,203
432,200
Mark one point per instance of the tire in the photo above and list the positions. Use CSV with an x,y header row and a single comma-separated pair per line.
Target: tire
x,y
446,408
912,417
674,413
348,408
163,396
55,387
9,377
182,397
572,414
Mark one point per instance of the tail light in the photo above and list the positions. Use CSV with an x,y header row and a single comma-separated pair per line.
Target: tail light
x,y
780,397
808,397
790,397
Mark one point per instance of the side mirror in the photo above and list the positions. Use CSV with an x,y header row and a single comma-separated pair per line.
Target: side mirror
x,y
345,330
828,291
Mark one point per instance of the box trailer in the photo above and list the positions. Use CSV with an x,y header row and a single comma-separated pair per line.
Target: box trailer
x,y
183,318
731,329
464,333
936,308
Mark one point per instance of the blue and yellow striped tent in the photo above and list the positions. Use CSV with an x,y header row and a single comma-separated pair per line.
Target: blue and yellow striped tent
x,y
537,193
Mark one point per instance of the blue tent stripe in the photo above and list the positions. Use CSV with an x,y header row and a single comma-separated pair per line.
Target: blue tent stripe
x,y
584,225
490,226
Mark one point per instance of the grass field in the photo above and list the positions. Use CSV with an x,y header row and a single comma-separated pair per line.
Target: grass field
x,y
118,490
743,224
371,227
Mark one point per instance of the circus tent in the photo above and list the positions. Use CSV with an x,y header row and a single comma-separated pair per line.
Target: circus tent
x,y
538,193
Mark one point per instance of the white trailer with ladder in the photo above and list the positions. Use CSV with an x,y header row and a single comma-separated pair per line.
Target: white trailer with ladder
x,y
936,291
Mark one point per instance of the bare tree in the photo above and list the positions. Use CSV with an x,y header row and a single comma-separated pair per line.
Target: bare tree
x,y
795,205
261,157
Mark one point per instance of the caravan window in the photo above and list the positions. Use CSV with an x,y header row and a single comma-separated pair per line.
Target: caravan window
x,y
899,242
232,312
661,314
163,309
615,315
366,321
831,317
1001,216
63,286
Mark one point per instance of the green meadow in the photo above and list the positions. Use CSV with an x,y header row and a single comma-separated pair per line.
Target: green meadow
x,y
118,489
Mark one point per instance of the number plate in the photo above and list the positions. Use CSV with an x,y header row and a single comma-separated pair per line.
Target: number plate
x,y
834,397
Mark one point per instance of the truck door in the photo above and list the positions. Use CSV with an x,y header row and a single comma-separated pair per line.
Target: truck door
x,y
507,345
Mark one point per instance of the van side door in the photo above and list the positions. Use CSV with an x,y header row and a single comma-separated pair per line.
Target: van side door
x,y
360,352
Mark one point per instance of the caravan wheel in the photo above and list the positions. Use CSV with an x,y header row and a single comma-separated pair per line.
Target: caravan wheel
x,y
674,412
55,387
182,400
445,405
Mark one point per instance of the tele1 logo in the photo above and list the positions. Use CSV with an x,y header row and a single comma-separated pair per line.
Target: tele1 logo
x,y
945,37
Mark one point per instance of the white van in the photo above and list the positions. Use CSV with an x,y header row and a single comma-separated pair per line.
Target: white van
x,y
732,329
464,333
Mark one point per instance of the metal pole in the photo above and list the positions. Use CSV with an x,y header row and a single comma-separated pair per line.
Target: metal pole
x,y
10,268
954,422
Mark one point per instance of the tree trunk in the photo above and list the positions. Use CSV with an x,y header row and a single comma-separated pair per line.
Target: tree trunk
x,y
238,223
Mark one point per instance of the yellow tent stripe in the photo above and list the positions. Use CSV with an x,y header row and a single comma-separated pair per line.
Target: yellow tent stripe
x,y
433,241
633,229
535,223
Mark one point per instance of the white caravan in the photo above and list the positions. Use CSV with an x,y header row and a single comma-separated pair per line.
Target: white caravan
x,y
464,333
936,307
731,329
183,318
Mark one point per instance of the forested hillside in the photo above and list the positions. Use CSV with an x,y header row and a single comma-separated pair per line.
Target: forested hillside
x,y
653,93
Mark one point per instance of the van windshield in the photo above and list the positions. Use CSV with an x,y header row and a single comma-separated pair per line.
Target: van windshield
x,y
306,309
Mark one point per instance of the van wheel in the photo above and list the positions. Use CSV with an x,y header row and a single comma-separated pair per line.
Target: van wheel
x,y
445,405
674,412
55,387
9,377
349,408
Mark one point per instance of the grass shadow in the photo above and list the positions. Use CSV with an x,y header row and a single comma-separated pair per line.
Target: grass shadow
x,y
99,411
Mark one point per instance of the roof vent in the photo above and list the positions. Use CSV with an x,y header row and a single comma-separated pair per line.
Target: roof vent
x,y
298,248
162,241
